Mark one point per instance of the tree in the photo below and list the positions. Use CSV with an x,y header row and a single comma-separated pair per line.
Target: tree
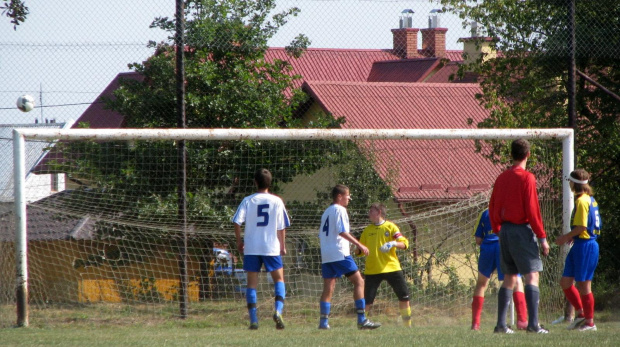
x,y
526,88
16,10
229,83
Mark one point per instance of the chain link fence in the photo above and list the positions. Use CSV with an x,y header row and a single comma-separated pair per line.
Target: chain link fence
x,y
287,63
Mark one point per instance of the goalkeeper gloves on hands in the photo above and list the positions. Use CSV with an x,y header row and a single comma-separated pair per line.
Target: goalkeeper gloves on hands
x,y
387,246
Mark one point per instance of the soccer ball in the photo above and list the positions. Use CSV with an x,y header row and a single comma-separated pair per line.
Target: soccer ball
x,y
25,103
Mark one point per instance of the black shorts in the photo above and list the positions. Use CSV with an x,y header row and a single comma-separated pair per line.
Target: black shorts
x,y
519,253
395,279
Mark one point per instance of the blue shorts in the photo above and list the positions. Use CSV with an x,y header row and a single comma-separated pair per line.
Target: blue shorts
x,y
253,263
336,269
582,260
489,260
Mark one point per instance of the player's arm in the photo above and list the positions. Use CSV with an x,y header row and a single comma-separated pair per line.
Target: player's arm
x,y
285,222
533,214
357,251
532,209
282,239
398,241
238,219
479,230
363,249
580,222
576,231
400,245
238,236
493,217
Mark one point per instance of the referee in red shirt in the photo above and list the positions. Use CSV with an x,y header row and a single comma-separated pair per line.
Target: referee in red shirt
x,y
514,210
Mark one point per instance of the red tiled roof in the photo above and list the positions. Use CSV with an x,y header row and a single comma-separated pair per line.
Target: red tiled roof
x,y
443,75
427,169
323,64
316,64
453,55
349,65
402,70
97,115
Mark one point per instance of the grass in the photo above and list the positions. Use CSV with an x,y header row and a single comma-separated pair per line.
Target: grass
x,y
233,332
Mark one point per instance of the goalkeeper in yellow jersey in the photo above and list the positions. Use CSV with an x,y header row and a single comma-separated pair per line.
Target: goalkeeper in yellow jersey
x,y
382,238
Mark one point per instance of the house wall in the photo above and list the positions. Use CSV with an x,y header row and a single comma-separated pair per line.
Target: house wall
x,y
304,188
40,186
473,51
60,272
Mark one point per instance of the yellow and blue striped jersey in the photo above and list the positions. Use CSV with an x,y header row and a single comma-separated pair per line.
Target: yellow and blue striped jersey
x,y
586,214
483,228
375,236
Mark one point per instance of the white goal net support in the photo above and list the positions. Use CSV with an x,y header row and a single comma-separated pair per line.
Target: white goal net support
x,y
112,239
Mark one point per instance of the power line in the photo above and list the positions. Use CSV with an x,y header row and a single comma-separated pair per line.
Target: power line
x,y
50,91
72,44
61,105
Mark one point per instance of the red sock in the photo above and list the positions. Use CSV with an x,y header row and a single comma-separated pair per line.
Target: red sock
x,y
588,305
476,309
520,306
572,295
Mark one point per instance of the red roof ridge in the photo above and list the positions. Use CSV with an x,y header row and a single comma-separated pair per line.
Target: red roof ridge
x,y
395,84
388,50
408,60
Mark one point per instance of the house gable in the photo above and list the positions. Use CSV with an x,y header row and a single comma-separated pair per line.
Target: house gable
x,y
426,169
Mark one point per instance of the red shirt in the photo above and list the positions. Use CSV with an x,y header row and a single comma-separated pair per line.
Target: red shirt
x,y
515,200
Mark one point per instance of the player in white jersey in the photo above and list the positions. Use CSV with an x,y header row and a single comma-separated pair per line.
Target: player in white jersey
x,y
336,258
265,221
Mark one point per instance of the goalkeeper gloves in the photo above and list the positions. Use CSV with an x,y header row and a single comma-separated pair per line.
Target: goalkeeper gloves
x,y
387,246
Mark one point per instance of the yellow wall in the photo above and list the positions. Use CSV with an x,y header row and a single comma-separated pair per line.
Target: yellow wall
x,y
53,277
473,52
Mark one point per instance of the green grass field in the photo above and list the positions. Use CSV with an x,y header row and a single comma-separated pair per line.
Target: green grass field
x,y
344,332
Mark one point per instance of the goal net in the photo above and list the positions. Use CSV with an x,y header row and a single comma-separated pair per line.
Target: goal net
x,y
110,240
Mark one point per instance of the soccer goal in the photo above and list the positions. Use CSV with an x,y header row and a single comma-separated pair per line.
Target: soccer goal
x,y
116,238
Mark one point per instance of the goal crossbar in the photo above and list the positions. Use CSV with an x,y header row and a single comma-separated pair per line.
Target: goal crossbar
x,y
566,136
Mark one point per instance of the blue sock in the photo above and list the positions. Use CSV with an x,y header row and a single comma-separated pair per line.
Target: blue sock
x,y
250,298
325,309
280,291
360,306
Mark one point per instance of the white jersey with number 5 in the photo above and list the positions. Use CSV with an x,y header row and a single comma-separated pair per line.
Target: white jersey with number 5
x,y
263,214
335,220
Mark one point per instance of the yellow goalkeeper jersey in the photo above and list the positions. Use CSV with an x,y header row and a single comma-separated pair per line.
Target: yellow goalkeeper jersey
x,y
375,236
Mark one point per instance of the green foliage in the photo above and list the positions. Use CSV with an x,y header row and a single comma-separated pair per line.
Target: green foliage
x,y
229,83
16,10
525,87
228,80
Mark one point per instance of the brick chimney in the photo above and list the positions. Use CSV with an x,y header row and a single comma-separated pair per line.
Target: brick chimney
x,y
406,42
434,42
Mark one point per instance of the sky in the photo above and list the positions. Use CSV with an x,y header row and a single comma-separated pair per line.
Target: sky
x,y
68,51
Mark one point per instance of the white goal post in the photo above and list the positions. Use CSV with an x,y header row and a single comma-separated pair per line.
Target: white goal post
x,y
566,136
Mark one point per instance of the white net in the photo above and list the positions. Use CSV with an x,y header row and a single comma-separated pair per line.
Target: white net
x,y
108,243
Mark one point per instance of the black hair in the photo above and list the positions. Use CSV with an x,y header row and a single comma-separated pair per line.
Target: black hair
x,y
519,149
262,177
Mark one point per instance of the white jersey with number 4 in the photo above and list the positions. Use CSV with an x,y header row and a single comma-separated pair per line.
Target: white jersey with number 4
x,y
335,220
263,214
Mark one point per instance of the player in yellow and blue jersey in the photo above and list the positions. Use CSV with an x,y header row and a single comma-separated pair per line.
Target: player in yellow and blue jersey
x,y
382,238
582,258
488,261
